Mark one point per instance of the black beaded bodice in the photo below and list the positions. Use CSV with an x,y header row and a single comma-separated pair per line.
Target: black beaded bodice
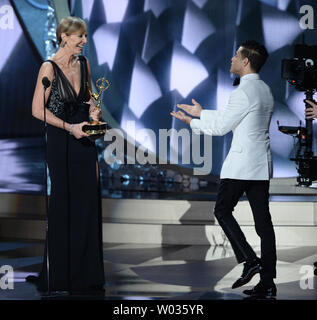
x,y
55,103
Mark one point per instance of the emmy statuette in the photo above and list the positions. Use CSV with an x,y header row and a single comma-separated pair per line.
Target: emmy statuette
x,y
97,129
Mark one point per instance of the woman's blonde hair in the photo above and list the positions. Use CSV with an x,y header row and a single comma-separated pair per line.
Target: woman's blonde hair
x,y
69,25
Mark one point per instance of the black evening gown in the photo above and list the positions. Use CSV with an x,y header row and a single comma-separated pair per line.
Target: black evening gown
x,y
75,222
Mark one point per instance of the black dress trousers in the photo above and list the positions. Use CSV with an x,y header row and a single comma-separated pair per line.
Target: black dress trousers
x,y
257,191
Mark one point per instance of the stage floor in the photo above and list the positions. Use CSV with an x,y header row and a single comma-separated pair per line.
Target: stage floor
x,y
154,272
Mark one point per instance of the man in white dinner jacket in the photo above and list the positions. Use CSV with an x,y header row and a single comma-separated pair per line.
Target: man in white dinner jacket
x,y
248,165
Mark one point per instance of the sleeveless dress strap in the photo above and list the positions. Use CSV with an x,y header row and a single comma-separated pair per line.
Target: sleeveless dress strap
x,y
84,78
54,67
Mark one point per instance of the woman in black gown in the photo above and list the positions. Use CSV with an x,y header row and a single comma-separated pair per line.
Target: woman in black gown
x,y
75,224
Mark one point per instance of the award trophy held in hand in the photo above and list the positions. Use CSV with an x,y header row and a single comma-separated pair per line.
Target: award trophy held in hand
x,y
97,129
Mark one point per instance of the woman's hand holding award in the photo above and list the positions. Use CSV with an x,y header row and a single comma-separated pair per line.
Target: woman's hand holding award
x,y
97,129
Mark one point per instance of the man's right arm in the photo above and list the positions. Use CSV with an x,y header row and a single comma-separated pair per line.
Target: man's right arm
x,y
220,122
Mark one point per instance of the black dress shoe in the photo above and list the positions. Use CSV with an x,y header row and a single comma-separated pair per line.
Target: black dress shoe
x,y
262,290
249,271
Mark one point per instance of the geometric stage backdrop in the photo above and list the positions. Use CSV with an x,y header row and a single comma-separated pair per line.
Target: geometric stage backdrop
x,y
157,53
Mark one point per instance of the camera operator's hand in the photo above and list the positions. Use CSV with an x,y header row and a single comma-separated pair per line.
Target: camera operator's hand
x,y
311,113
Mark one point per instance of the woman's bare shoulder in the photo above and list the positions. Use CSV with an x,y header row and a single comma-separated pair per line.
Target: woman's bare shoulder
x,y
47,69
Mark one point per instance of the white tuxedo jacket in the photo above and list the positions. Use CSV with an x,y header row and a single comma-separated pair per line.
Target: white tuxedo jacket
x,y
248,115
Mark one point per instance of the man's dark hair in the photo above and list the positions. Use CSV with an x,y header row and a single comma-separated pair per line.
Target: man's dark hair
x,y
256,53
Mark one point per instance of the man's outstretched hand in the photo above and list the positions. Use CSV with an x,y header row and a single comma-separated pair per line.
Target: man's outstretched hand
x,y
181,116
193,110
